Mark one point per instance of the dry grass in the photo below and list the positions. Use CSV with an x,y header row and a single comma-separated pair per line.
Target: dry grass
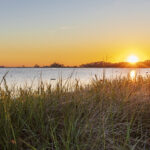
x,y
105,115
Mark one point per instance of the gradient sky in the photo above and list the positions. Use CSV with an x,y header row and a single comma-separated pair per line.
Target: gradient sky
x,y
73,31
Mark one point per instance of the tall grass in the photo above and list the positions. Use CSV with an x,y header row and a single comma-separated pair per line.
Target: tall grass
x,y
105,115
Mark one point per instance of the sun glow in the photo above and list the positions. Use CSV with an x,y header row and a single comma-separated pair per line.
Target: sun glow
x,y
132,59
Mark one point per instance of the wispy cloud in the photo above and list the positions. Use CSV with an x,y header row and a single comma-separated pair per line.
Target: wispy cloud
x,y
62,28
67,27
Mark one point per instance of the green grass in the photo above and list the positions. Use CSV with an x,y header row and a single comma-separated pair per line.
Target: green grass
x,y
105,115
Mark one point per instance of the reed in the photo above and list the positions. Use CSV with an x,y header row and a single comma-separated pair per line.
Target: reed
x,y
104,115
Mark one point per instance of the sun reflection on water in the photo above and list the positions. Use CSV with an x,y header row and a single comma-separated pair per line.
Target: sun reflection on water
x,y
133,74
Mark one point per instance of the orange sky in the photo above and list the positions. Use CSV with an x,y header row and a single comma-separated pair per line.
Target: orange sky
x,y
48,31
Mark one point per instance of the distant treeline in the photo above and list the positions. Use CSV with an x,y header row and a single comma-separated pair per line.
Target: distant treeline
x,y
100,64
55,65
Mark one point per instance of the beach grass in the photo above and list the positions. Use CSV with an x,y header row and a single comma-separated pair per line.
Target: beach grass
x,y
104,115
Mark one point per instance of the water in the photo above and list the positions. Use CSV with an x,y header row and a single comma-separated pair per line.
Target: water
x,y
31,76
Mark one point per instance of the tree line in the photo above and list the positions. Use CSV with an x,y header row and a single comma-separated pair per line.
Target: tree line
x,y
100,64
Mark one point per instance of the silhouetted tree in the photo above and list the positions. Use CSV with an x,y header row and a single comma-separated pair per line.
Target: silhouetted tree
x,y
36,66
2,66
56,65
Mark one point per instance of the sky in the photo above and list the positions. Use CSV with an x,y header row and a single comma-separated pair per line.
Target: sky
x,y
73,32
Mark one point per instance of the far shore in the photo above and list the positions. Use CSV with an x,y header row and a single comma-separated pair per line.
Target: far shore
x,y
100,64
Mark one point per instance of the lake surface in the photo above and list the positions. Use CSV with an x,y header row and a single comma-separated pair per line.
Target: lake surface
x,y
32,76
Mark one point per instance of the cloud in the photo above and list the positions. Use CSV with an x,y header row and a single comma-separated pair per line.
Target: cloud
x,y
67,27
62,28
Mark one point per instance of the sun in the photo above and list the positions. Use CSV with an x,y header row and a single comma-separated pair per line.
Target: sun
x,y
132,59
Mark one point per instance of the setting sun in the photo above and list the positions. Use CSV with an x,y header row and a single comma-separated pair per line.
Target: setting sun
x,y
132,59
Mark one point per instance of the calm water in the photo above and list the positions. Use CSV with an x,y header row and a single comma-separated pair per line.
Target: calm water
x,y
32,76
